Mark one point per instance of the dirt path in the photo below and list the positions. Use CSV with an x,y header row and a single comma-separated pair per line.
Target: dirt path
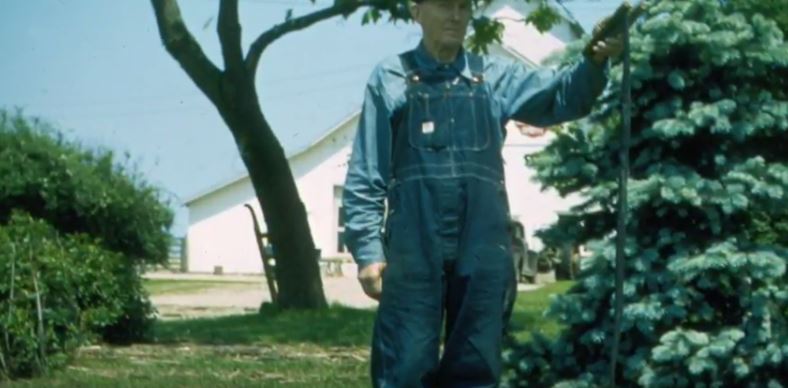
x,y
244,295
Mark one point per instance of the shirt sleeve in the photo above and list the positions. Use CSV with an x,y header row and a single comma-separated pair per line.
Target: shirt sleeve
x,y
544,97
363,199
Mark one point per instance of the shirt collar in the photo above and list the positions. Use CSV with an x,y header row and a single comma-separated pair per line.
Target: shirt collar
x,y
428,64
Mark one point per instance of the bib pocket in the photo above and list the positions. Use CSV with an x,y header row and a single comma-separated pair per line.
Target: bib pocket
x,y
457,118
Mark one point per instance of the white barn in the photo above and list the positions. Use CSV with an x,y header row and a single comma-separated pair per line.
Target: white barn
x,y
220,233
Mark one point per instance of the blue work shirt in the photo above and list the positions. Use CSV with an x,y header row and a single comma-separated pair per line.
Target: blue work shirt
x,y
539,97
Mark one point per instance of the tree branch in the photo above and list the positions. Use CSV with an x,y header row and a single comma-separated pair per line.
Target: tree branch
x,y
340,7
185,49
229,30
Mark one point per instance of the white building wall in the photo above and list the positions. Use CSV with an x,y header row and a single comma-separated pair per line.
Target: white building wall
x,y
528,203
221,232
319,171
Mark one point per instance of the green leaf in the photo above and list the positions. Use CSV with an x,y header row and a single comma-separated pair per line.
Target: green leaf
x,y
544,17
676,80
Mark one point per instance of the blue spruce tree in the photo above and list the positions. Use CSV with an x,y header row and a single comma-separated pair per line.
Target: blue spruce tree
x,y
705,299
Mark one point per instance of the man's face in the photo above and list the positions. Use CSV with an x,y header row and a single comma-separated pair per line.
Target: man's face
x,y
443,21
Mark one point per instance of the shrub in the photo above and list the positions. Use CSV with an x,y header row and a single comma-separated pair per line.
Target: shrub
x,y
56,292
80,225
80,191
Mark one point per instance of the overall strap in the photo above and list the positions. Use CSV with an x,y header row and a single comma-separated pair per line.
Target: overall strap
x,y
476,65
408,62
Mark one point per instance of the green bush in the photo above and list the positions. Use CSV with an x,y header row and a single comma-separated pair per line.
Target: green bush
x,y
79,191
69,279
81,224
706,288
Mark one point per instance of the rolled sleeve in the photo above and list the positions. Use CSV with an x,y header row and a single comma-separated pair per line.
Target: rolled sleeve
x,y
364,195
547,97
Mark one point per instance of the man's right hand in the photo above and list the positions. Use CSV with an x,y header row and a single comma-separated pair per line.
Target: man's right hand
x,y
371,279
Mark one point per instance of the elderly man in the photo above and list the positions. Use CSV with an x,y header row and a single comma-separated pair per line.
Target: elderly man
x,y
429,145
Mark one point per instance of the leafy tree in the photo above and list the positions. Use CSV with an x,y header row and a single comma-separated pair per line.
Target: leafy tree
x,y
706,291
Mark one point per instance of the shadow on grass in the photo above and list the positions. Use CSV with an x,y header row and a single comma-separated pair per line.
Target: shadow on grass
x,y
334,326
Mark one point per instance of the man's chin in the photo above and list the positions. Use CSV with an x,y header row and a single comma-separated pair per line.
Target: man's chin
x,y
452,42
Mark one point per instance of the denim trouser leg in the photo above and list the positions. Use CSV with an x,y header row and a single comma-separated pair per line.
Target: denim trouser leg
x,y
406,335
476,289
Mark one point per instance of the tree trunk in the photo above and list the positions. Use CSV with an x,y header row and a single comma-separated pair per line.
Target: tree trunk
x,y
297,268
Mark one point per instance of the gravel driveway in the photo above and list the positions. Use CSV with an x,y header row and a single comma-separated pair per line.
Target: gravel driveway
x,y
244,294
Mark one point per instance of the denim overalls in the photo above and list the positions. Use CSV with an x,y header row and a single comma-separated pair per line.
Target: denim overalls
x,y
446,239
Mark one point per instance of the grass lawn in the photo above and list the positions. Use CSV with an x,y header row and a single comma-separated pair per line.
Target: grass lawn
x,y
167,286
273,349
528,314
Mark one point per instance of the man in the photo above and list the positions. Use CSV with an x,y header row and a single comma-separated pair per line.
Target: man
x,y
429,145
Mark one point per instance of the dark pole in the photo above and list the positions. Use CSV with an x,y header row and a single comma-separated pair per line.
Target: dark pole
x,y
618,24
623,154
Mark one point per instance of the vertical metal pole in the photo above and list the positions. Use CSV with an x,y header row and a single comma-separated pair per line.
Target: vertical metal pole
x,y
623,154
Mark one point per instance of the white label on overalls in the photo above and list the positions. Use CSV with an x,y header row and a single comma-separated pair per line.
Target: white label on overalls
x,y
427,127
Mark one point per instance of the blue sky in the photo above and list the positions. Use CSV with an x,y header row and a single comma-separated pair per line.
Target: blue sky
x,y
96,70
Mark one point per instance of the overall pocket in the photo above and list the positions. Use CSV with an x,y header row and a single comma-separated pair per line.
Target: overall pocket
x,y
471,120
427,119
457,117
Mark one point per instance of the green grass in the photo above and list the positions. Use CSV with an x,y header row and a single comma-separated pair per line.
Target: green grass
x,y
167,286
337,326
160,366
328,348
528,315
